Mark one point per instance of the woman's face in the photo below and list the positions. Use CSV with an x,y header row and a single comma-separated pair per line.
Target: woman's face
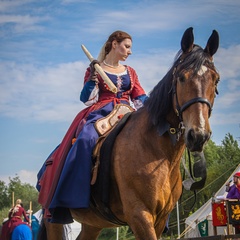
x,y
123,49
236,179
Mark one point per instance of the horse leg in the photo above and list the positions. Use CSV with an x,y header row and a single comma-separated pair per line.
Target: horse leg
x,y
160,227
88,232
54,230
142,225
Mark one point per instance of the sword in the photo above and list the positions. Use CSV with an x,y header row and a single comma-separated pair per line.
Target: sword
x,y
98,68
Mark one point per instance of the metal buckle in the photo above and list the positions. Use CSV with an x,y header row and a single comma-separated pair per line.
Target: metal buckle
x,y
172,130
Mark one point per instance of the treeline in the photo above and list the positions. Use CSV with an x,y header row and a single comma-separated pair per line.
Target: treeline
x,y
221,162
24,191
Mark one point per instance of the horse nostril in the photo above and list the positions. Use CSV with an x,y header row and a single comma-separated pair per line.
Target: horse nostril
x,y
196,139
190,135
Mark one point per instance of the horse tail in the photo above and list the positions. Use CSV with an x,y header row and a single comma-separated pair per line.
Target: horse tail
x,y
42,233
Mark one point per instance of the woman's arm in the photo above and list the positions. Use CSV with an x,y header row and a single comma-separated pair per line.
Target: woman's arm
x,y
90,92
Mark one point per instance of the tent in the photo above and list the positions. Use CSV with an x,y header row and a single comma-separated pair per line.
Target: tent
x,y
205,213
72,230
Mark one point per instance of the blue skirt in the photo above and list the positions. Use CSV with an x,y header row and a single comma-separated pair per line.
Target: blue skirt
x,y
73,189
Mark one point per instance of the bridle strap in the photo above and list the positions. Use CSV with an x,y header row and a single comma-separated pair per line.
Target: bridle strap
x,y
192,101
181,109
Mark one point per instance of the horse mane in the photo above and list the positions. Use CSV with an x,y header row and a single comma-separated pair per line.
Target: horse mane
x,y
159,103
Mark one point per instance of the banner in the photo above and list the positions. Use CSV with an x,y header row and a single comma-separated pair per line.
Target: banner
x,y
219,215
203,228
234,212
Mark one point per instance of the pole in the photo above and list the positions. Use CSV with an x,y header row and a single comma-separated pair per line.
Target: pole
x,y
30,214
117,237
12,199
98,68
178,222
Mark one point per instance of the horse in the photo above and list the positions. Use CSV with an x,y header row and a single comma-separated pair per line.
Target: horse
x,y
145,179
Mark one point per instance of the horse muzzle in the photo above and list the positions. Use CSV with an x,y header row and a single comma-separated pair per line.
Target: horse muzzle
x,y
195,139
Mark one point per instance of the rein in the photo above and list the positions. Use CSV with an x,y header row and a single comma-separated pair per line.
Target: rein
x,y
198,170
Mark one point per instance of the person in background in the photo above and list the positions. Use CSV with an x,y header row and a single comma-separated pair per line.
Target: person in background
x,y
234,190
15,218
234,193
34,224
73,187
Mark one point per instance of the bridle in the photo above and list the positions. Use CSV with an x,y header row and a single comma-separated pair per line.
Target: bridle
x,y
199,167
180,109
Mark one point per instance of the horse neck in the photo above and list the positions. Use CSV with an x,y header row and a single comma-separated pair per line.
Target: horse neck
x,y
176,149
162,145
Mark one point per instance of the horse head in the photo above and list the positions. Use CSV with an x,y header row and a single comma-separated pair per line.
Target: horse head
x,y
194,88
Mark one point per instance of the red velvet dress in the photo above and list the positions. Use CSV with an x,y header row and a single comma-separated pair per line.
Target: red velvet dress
x,y
15,219
72,191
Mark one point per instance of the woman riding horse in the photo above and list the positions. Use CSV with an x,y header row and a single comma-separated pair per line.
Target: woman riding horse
x,y
72,188
145,180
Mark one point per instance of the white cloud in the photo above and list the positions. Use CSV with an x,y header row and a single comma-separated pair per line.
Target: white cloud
x,y
9,6
51,93
24,176
228,62
219,118
228,100
45,94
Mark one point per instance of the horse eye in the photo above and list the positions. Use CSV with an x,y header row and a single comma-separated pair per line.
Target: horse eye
x,y
181,78
216,83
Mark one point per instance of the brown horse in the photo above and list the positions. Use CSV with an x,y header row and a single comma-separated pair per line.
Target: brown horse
x,y
145,170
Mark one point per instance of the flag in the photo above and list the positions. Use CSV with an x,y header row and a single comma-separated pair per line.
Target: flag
x,y
234,212
219,215
203,228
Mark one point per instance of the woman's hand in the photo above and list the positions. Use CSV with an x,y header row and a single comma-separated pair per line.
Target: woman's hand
x,y
93,72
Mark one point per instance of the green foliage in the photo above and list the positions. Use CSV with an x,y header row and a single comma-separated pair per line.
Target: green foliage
x,y
107,233
221,162
124,233
4,199
24,191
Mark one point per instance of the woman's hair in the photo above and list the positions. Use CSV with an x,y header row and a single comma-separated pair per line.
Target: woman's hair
x,y
19,201
119,36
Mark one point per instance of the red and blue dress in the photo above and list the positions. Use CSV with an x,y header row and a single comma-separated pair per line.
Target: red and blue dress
x,y
14,220
64,180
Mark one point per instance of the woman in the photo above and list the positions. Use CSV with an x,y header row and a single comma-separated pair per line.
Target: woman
x,y
73,187
14,219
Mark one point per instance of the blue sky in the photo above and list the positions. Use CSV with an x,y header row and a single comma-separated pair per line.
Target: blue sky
x,y
42,64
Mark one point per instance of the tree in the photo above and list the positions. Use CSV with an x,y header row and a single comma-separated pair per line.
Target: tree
x,y
24,191
4,200
221,161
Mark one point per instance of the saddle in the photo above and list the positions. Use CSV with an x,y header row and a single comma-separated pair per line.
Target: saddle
x,y
104,126
109,127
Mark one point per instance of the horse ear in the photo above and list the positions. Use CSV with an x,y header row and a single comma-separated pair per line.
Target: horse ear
x,y
187,40
212,44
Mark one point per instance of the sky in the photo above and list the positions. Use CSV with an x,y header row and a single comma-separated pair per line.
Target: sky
x,y
42,64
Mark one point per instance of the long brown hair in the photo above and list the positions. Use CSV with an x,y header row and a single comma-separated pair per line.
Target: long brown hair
x,y
119,36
